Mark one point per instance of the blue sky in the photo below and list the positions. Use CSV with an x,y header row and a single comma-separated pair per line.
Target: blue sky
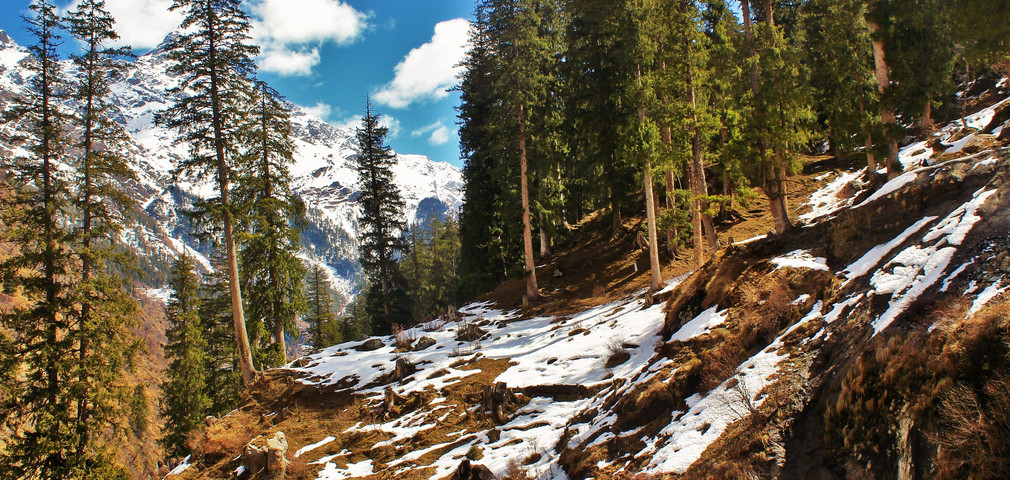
x,y
327,55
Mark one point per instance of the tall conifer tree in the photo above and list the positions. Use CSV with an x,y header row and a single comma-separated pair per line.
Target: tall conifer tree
x,y
186,396
214,59
50,434
382,225
274,217
323,328
105,345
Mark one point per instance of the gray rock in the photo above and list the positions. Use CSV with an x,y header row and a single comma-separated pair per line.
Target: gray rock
x,y
370,345
423,343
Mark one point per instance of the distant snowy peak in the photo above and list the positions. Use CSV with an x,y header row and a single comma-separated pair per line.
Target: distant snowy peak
x,y
323,173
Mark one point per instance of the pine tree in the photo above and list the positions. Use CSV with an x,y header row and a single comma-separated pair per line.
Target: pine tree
x,y
381,224
596,68
50,408
431,265
643,141
36,408
520,53
214,59
105,345
223,373
842,66
186,394
323,327
273,222
780,111
490,241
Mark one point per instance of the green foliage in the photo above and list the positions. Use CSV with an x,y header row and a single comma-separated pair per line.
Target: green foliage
x,y
842,72
65,348
981,32
381,221
213,59
431,266
272,219
324,328
186,388
223,377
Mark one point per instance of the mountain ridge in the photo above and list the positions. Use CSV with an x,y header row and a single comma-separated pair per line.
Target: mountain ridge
x,y
323,173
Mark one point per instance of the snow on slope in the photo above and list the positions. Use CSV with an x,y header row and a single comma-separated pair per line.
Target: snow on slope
x,y
571,350
323,174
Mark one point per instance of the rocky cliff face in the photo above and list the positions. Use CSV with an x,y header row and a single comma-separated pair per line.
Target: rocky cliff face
x,y
323,173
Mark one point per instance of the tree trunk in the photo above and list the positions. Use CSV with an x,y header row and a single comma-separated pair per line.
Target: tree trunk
x,y
83,412
545,240
532,291
926,122
650,202
871,158
696,231
773,182
887,116
244,353
615,210
699,185
671,202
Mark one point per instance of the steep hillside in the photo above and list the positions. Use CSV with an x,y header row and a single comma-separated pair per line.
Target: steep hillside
x,y
871,343
323,173
324,177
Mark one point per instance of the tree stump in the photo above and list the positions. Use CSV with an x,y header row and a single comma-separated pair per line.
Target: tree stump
x,y
254,459
276,453
390,400
465,471
500,400
402,369
470,332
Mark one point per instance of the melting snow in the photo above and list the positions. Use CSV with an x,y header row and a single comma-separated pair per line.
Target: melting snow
x,y
918,267
353,470
703,323
990,292
800,259
690,433
309,448
180,467
825,201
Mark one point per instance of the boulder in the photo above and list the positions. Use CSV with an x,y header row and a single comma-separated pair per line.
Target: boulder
x,y
979,142
423,343
370,345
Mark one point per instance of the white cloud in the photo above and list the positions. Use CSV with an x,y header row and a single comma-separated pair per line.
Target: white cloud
x,y
392,123
142,24
348,123
284,61
425,129
427,71
290,32
440,136
438,133
320,110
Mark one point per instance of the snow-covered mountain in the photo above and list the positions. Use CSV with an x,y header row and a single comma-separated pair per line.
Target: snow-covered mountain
x,y
323,173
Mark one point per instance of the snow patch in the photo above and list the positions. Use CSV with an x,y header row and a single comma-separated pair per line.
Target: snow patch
x,y
800,259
